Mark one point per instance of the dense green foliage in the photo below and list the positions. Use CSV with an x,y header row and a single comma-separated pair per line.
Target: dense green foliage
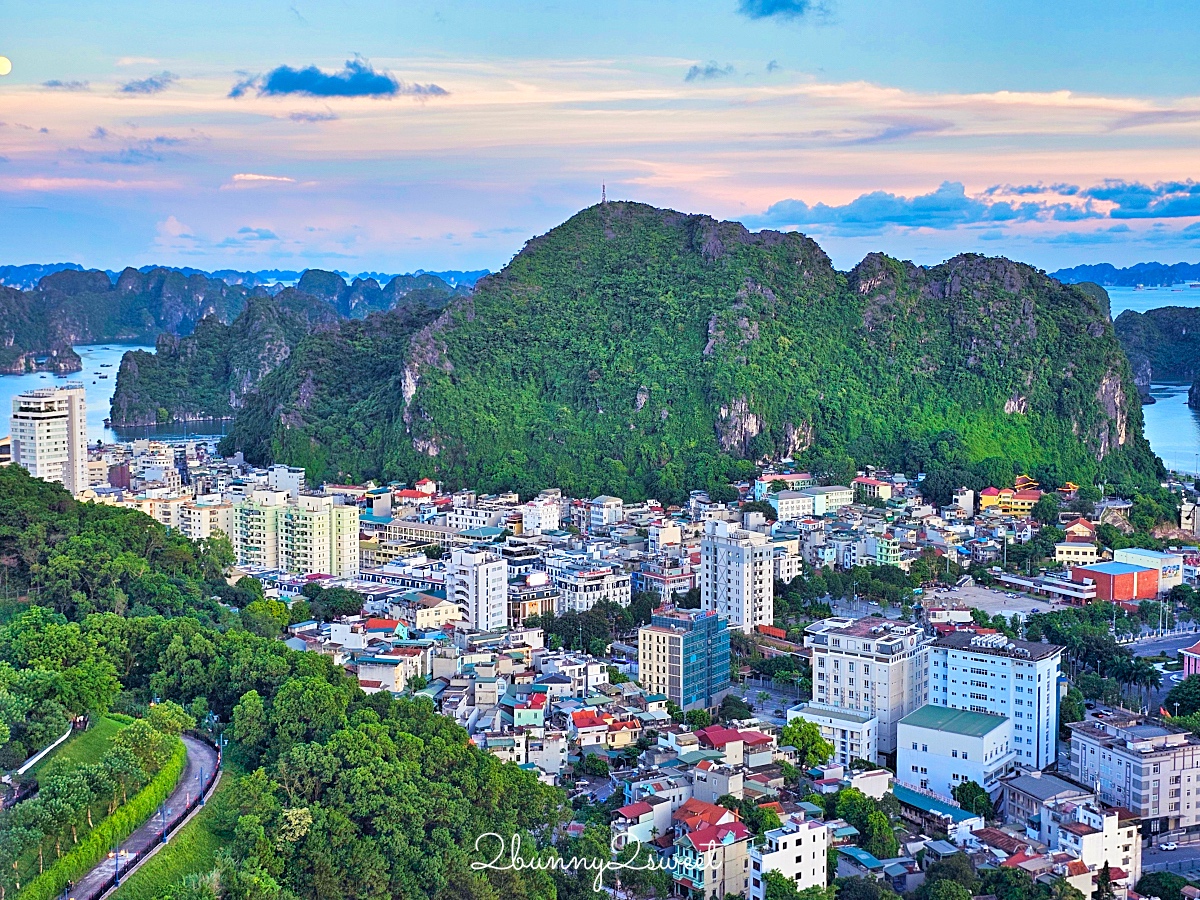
x,y
642,352
811,748
1162,344
347,795
83,809
1164,885
207,374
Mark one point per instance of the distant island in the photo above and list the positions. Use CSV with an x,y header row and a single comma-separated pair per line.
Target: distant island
x,y
26,277
1150,274
46,309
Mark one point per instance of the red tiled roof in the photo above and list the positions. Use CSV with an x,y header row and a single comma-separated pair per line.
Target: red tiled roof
x,y
381,624
635,810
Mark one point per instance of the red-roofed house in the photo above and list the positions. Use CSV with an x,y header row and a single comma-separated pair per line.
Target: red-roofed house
x,y
871,488
713,862
694,814
588,728
725,740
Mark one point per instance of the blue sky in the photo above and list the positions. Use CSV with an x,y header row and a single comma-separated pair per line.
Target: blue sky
x,y
391,136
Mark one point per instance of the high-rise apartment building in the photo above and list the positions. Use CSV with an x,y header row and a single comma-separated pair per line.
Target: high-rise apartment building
x,y
737,574
684,655
871,665
49,435
992,673
477,581
307,535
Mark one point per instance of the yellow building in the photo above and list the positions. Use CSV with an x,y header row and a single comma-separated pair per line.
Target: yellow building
x,y
1075,553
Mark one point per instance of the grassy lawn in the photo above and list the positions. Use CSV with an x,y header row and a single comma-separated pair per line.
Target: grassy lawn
x,y
85,746
189,852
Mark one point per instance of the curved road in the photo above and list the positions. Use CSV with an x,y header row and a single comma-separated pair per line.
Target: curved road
x,y
201,760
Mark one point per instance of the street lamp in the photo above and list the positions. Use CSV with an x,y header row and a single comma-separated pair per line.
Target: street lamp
x,y
115,855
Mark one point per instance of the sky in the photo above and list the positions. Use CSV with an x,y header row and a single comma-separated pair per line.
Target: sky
x,y
391,136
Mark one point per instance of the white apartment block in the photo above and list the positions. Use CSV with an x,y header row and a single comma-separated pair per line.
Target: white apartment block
x,y
798,850
465,518
477,582
540,516
870,665
829,499
200,519
317,535
256,528
995,674
792,504
49,435
1150,769
582,585
603,512
939,748
1095,834
286,478
737,573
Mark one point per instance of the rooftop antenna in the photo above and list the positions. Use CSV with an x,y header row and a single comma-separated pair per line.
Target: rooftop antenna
x,y
603,193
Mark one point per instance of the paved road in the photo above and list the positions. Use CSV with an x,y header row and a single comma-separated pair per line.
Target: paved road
x,y
1186,858
201,760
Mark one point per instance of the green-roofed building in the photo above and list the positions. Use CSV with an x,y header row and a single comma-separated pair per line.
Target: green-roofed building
x,y
939,747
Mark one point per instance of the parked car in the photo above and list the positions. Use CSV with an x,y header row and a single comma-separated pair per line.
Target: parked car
x,y
1089,705
1170,845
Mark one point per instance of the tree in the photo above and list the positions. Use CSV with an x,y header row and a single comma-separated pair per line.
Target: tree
x,y
972,797
1163,885
1070,709
734,708
956,868
779,887
878,839
944,889
1187,695
859,888
1104,886
1046,509
805,736
698,718
595,764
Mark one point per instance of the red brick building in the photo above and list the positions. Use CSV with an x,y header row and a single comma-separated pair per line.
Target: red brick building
x,y
1119,581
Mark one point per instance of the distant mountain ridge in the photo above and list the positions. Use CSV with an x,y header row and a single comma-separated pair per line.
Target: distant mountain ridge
x,y
70,306
1150,273
26,277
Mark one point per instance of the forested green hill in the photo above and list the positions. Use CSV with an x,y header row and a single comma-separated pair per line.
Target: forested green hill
x,y
347,795
206,374
641,351
1162,344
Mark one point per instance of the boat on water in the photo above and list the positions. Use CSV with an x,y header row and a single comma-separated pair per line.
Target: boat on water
x,y
103,376
106,365
1139,287
1194,284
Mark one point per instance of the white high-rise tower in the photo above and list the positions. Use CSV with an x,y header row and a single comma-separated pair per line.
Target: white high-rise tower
x,y
49,434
